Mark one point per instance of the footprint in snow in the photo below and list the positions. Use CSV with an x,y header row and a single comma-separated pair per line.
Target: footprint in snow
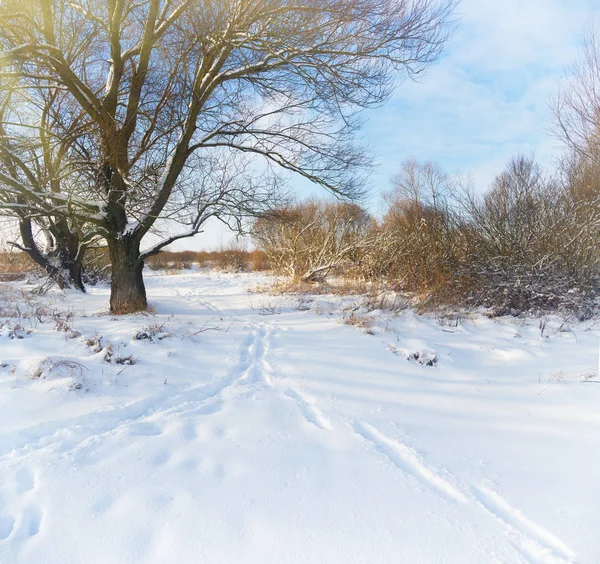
x,y
161,458
145,430
7,524
25,481
31,521
26,523
188,431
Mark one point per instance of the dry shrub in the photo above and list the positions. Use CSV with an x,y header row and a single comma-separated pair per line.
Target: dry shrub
x,y
259,261
527,245
177,260
169,260
419,242
233,258
96,266
531,245
417,249
339,286
309,240
358,321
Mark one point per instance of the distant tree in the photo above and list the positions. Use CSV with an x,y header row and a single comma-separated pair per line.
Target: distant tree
x,y
576,109
156,86
415,243
423,183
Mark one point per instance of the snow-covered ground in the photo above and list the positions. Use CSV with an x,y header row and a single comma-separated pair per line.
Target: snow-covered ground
x,y
250,428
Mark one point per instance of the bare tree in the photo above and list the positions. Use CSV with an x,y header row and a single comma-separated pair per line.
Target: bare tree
x,y
423,183
511,214
576,109
415,243
53,237
576,113
159,81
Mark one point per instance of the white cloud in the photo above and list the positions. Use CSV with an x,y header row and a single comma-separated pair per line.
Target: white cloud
x,y
487,98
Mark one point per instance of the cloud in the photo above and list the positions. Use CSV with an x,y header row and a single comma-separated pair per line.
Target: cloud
x,y
487,97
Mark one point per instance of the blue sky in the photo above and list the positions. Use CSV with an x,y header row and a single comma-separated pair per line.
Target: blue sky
x,y
486,98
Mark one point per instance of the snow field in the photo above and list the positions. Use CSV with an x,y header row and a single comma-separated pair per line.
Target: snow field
x,y
248,430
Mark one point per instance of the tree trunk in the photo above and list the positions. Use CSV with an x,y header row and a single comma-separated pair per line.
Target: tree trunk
x,y
76,275
127,292
65,271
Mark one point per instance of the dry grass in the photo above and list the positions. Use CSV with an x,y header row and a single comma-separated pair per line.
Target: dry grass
x,y
341,286
16,266
228,260
359,321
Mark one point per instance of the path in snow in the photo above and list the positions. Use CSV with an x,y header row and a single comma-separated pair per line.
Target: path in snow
x,y
292,438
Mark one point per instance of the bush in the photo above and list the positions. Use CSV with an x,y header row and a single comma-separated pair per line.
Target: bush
x,y
233,258
529,244
309,240
420,241
96,266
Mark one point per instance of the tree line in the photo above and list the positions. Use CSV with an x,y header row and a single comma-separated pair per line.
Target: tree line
x,y
529,243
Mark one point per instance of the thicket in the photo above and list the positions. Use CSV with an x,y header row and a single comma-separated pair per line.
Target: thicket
x,y
529,244
227,260
309,240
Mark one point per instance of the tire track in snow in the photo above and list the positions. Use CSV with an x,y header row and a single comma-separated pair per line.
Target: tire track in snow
x,y
306,405
409,461
535,542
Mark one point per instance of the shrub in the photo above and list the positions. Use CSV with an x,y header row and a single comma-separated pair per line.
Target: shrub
x,y
308,240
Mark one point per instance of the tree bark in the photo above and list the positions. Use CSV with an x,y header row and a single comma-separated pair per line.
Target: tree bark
x,y
76,275
127,292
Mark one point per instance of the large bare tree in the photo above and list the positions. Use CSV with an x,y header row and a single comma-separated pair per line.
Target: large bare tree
x,y
155,84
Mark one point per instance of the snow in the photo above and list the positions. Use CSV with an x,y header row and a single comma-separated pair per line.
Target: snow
x,y
259,428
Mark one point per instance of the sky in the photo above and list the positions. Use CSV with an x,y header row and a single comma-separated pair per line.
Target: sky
x,y
485,99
